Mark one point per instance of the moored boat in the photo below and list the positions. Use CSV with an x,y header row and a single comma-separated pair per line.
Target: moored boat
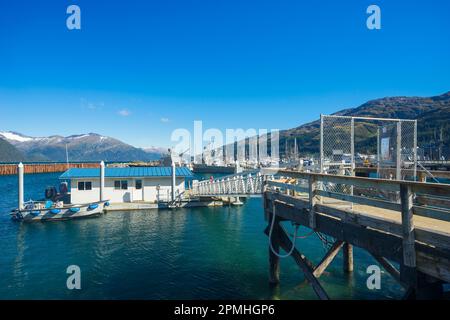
x,y
51,211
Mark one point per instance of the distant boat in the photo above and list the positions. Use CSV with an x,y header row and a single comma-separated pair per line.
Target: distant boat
x,y
51,211
204,168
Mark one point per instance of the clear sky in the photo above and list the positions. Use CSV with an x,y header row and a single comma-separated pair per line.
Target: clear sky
x,y
139,69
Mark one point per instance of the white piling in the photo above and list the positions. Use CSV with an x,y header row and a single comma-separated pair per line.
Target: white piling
x,y
102,181
174,177
20,183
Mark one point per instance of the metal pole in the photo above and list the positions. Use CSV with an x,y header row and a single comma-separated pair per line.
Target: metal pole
x,y
174,177
378,153
352,139
20,183
353,145
321,143
102,181
399,150
415,150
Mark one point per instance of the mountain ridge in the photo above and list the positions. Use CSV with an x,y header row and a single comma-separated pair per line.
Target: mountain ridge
x,y
432,115
81,147
9,153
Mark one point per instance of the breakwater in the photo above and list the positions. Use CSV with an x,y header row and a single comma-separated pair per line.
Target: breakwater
x,y
9,169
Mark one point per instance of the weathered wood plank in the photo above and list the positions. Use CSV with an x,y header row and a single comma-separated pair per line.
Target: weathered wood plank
x,y
288,186
361,200
433,189
433,265
354,217
298,203
328,259
433,201
432,213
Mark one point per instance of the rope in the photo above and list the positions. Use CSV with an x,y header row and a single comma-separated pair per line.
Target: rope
x,y
270,239
306,236
428,172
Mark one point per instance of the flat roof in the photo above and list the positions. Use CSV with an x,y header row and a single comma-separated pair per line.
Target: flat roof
x,y
134,172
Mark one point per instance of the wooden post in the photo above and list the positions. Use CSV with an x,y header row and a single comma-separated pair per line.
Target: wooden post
x,y
408,268
348,258
328,259
274,260
312,202
422,177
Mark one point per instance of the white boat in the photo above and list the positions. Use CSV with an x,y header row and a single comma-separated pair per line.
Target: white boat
x,y
50,211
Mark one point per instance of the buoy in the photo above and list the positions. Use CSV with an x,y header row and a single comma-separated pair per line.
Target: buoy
x,y
74,210
55,211
93,206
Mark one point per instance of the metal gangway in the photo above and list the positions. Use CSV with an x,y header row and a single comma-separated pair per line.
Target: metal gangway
x,y
244,184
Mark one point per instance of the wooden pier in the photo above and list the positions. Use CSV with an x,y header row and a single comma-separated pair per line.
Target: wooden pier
x,y
398,222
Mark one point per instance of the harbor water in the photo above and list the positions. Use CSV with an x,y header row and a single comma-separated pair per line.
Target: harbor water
x,y
198,253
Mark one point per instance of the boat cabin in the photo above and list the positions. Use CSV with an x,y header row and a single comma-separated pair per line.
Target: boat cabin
x,y
121,185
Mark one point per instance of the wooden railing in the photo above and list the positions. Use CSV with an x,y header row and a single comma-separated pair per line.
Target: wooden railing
x,y
432,200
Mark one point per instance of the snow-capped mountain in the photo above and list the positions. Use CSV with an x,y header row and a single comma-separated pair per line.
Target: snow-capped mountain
x,y
83,147
158,150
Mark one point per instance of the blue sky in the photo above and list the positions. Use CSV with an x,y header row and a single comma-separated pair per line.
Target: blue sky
x,y
139,69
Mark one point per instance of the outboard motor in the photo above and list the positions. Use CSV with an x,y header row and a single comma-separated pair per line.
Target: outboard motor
x,y
50,193
63,188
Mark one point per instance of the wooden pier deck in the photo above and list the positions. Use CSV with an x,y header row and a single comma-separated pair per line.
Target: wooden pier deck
x,y
409,226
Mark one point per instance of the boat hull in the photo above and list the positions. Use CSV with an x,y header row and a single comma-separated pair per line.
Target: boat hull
x,y
64,213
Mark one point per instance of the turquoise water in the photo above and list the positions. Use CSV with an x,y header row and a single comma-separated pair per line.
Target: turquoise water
x,y
203,253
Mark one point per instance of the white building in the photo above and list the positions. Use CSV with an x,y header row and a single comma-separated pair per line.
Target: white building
x,y
138,184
